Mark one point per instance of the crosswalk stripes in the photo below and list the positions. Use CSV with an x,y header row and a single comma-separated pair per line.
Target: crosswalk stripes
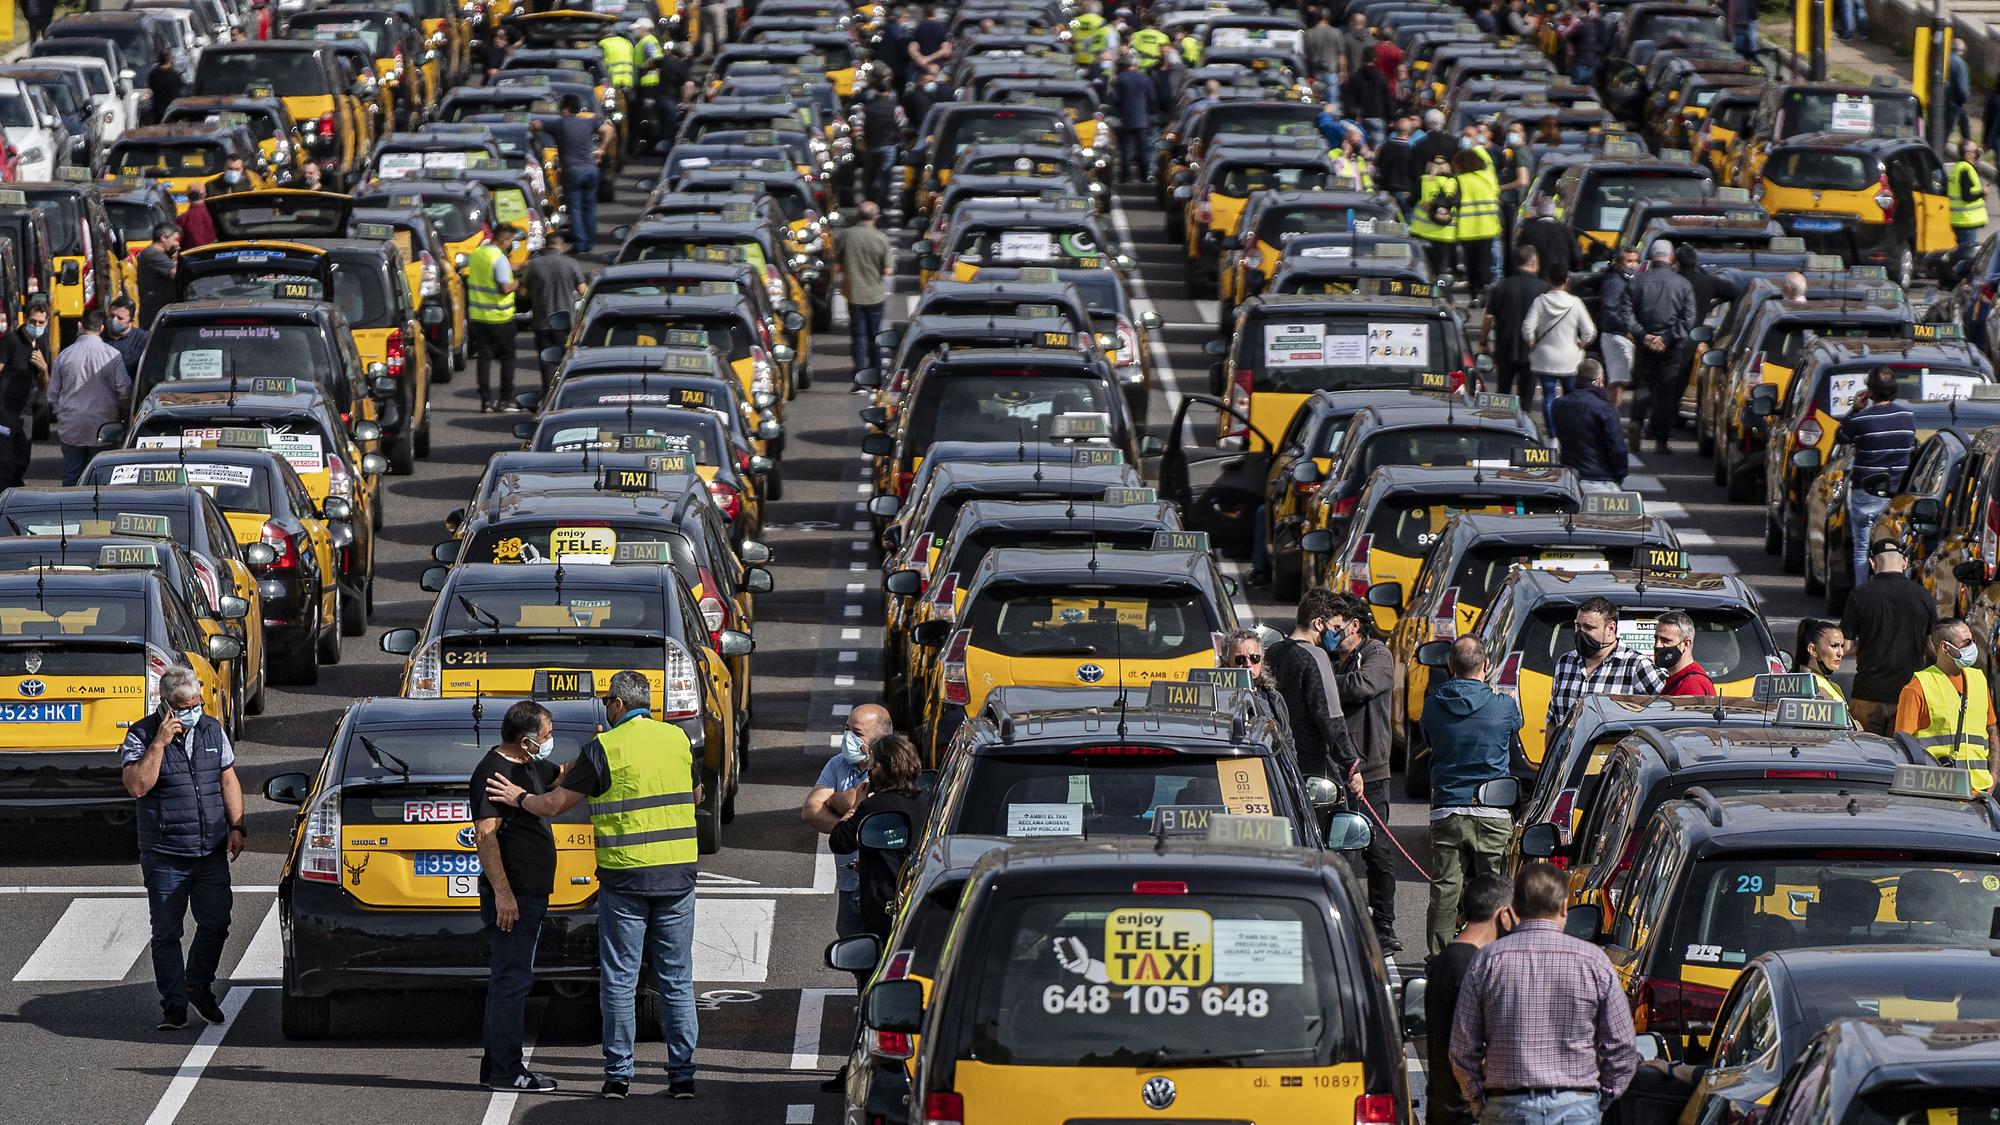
x,y
265,959
95,939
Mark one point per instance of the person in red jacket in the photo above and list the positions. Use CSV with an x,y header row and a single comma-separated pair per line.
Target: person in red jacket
x,y
1673,651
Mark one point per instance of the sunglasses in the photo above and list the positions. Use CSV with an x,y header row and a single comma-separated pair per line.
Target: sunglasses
x,y
1240,661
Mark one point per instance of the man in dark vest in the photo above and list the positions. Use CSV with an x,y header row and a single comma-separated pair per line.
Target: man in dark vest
x,y
181,769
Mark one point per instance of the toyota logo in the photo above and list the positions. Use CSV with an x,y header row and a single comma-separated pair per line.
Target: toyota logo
x,y
1090,674
32,688
1158,1092
467,838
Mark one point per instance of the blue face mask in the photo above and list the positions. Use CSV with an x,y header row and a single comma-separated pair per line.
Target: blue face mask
x,y
189,716
852,749
1330,639
36,331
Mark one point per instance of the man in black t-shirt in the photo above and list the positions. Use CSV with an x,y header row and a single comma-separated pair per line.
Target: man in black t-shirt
x,y
1888,622
517,860
1487,911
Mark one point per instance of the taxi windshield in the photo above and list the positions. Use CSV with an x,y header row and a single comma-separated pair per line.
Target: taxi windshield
x,y
547,607
1202,976
287,73
1611,195
1915,382
998,406
65,223
138,158
1409,525
1728,642
1440,448
31,518
1102,791
581,541
179,350
689,434
1739,907
100,613
1240,180
1154,623
234,488
135,221
1332,352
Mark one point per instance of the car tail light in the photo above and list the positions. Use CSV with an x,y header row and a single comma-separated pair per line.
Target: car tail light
x,y
1776,666
1508,680
1253,260
339,481
1989,536
920,551
282,545
1803,775
1123,751
1885,199
1757,192
763,381
1444,621
944,598
1563,811
1375,1109
715,616
897,967
157,663
393,359
890,1045
1128,344
1808,434
1673,1007
1203,213
426,679
904,478
742,460
727,498
944,1108
1344,507
1358,579
683,699
1160,887
319,852
432,285
326,126
951,669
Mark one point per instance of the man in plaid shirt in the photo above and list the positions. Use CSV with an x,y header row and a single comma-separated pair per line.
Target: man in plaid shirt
x,y
1599,665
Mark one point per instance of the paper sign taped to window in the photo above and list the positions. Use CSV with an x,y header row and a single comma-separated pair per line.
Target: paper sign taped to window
x,y
1841,389
1637,634
1044,820
1245,791
1852,114
1399,345
1937,386
1144,945
201,363
1026,245
1259,951
1294,345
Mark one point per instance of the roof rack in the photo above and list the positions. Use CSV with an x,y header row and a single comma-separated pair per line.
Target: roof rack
x,y
1700,795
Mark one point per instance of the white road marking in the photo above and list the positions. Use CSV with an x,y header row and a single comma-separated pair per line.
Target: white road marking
x,y
856,587
850,634
98,889
842,710
851,611
861,525
732,939
182,1087
1163,366
849,657
265,958
843,681
95,939
1210,311
805,1035
824,874
500,1106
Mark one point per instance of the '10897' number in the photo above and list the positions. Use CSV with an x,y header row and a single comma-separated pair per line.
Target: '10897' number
x,y
1157,1000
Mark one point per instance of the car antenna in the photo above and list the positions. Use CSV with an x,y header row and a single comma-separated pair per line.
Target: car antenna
x,y
1038,452
1639,564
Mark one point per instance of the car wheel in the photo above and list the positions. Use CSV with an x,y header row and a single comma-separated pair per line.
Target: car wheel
x,y
1815,585
255,704
305,1017
822,314
1740,482
708,817
301,664
1287,577
328,649
422,442
402,450
353,616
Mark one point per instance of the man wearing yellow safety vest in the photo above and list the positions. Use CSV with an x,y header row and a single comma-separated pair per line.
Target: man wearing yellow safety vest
x,y
617,52
1089,33
1967,195
646,54
639,776
489,311
1477,221
1149,43
1948,706
1434,218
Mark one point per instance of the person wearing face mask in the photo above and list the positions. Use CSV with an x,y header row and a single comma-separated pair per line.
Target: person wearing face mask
x,y
180,769
1599,665
1673,653
1365,672
88,388
24,366
836,791
1303,671
1948,707
517,863
123,333
1470,730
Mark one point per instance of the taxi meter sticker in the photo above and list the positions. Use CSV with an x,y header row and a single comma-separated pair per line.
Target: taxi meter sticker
x,y
222,476
1244,788
201,363
1259,951
1026,245
1143,945
1045,819
1852,113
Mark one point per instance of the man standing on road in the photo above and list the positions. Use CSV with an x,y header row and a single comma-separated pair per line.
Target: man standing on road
x,y
489,299
197,225
880,117
640,778
580,146
517,862
1887,622
1305,678
1470,730
1543,1033
1614,327
181,770
88,388
1486,910
1132,98
1673,653
1883,433
156,272
1948,707
866,262
1588,433
836,791
122,332
1659,308
1365,673
1598,665
24,367
1965,192
1500,331
554,281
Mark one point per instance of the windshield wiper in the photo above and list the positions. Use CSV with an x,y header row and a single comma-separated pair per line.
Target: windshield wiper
x,y
380,756
484,617
1166,1057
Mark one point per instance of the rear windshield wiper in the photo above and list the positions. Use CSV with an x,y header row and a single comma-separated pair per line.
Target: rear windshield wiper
x,y
483,616
380,757
1165,1057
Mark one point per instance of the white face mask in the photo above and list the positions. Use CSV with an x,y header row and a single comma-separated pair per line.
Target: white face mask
x,y
544,748
852,748
188,716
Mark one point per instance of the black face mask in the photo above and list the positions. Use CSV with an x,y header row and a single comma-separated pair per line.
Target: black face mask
x,y
1588,646
1667,658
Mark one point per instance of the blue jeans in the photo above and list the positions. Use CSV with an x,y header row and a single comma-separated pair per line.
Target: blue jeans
x,y
174,883
1850,18
1553,385
628,928
1968,237
1582,73
863,323
580,193
880,163
1135,150
511,975
76,458
1570,1107
1862,512
1745,39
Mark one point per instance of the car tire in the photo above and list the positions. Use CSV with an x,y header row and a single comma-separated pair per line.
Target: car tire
x,y
822,314
1815,584
1417,771
353,615
254,705
300,666
1718,462
1773,537
305,1018
327,649
1287,578
1740,483
402,451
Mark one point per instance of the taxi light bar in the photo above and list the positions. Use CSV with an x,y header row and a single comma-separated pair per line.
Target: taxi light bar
x,y
1160,887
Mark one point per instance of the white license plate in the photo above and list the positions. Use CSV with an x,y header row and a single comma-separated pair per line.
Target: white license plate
x,y
461,886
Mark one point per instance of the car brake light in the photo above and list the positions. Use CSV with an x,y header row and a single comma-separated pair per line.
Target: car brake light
x,y
1885,199
319,852
904,478
1375,1109
1203,213
951,669
1674,1007
944,1108
683,699
425,678
944,598
1508,680
1121,751
890,1045
1803,775
1444,622
157,663
1357,567
282,546
339,482
726,498
920,551
897,967
1989,536
326,126
1160,887
1563,811
1776,666
393,359
1344,507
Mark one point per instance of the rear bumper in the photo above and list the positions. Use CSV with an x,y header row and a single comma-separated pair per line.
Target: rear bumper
x,y
57,783
334,944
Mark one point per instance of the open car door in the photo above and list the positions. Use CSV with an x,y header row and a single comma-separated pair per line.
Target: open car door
x,y
280,213
1219,490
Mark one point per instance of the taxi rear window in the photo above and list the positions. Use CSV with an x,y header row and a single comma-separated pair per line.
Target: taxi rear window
x,y
1118,981
232,72
1034,244
1820,171
88,658
1052,622
442,749
692,435
138,158
1914,383
298,441
1003,405
1108,790
1603,207
100,613
968,557
575,542
83,519
1409,525
1820,111
729,333
1439,447
1735,908
1242,179
258,285
546,608
1728,643
1269,121
1333,352
65,224
234,488
1484,567
180,350
1000,127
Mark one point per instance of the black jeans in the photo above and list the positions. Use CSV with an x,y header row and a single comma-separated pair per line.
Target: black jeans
x,y
493,343
1377,865
174,884
16,446
546,338
507,983
1657,380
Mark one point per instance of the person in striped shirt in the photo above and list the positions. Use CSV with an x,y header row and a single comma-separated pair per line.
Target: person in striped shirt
x,y
1883,433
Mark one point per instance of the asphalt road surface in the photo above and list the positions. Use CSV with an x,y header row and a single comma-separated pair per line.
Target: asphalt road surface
x,y
77,1003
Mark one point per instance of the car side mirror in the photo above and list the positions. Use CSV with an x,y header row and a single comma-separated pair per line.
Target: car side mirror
x,y
337,508
1411,1006
1714,358
894,1006
529,400
432,314
754,552
886,831
1806,459
229,607
1388,595
524,430
1318,541
1971,572
1499,793
384,385
287,788
1702,333
259,554
374,464
930,634
551,355
1152,321
794,322
757,580
930,263
1925,512
761,465
735,643
1585,921
877,444
222,647
857,954
1348,832
1764,400
1540,841
1216,347
873,415
1322,792
433,579
1432,654
888,339
111,433
1151,446
885,506
1305,471
447,551
399,642
783,353
770,429
1650,1045
868,378
904,583
622,231
922,246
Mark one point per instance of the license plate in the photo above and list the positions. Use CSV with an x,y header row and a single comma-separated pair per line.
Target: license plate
x,y
445,863
461,886
1815,224
41,712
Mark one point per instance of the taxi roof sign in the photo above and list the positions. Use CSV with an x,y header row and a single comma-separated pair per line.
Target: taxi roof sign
x,y
120,555
1180,541
1985,392
1660,560
371,230
1080,426
1533,457
677,463
1152,495
1613,504
1784,685
1832,263
641,443
1097,455
137,523
1506,404
1932,781
558,684
73,173
681,361
161,474
1732,195
654,552
627,480
1231,679
1937,332
1036,275
264,385
1171,695
1267,831
1787,244
1828,714
1430,382
244,437
687,338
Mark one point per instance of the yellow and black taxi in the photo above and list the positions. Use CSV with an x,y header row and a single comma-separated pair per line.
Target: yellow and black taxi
x,y
148,545
1713,138
1526,629
135,208
1122,331
923,581
1958,568
83,654
183,155
1787,997
1075,96
1138,920
712,313
1828,277
1016,232
462,211
925,334
737,235
403,156
89,255
805,231
265,116
1253,112
1939,364
1592,197
1870,199
1716,881
955,473
1918,501
356,65
953,126
1272,219
1213,197
695,378
522,148
1031,161
1792,109
1021,291
1678,107
732,474
440,288
447,30
380,888
392,42
1070,617
1727,203
32,250
497,627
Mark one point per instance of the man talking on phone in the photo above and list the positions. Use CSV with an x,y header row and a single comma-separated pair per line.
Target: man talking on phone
x,y
181,769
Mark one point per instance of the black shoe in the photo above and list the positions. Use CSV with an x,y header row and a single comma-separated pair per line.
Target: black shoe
x,y
1660,446
171,1021
202,1000
1390,943
1256,579
681,1091
486,407
616,1088
531,1083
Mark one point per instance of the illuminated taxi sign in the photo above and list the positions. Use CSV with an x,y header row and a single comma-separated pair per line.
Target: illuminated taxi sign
x,y
73,173
1396,287
557,684
13,197
1074,203
128,555
1152,495
1784,685
627,480
1930,333
760,137
1078,426
655,552
1533,458
1613,504
1036,275
1932,781
1262,831
1180,541
1168,695
133,523
1430,382
751,186
1830,263
1097,455
161,474
1824,713
722,255
1058,340
687,338
684,363
260,90
1623,148
1787,245
1504,404
1676,156
673,463
243,437
1863,273
1732,195
1662,560
1226,679
694,396
1182,820
294,291
272,386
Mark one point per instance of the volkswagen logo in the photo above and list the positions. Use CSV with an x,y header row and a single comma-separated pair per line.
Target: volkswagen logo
x,y
1158,1092
1089,673
32,688
467,838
